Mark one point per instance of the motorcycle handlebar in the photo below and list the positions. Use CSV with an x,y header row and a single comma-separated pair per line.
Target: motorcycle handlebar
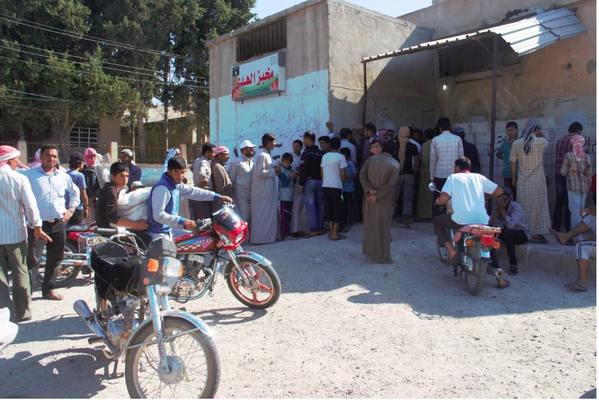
x,y
203,223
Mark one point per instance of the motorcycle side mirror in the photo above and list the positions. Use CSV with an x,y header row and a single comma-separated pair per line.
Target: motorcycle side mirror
x,y
432,187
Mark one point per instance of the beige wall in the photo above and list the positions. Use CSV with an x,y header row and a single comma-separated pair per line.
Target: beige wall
x,y
455,16
307,47
109,130
396,95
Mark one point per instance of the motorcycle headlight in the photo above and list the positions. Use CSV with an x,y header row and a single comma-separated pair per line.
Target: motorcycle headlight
x,y
172,267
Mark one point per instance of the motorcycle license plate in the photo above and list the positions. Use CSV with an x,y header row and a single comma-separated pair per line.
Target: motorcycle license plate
x,y
485,254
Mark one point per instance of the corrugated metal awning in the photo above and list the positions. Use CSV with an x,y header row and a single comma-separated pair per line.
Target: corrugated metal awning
x,y
524,37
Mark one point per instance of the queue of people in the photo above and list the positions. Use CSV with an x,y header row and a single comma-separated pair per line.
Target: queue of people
x,y
363,174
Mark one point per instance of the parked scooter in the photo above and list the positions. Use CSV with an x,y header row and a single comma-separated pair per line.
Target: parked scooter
x,y
167,353
474,244
215,246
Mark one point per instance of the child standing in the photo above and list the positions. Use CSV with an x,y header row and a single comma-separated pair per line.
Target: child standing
x,y
349,187
286,190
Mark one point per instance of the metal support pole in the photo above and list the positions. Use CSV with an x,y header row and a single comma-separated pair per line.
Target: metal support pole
x,y
365,97
493,107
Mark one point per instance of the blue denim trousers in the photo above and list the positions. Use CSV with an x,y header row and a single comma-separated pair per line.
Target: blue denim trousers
x,y
313,201
561,210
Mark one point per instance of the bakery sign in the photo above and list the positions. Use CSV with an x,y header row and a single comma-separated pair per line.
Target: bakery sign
x,y
265,75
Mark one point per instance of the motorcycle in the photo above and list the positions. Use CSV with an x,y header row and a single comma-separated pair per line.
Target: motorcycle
x,y
167,353
74,260
473,243
215,246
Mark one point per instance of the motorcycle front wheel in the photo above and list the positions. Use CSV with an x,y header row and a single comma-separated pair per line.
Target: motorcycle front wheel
x,y
65,274
262,287
475,279
193,362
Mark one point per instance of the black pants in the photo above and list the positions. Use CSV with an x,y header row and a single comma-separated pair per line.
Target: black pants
x,y
77,217
348,209
333,205
416,187
54,253
439,182
359,194
510,238
441,223
561,208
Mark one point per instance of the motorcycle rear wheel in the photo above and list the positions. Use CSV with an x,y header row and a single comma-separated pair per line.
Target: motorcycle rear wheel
x,y
475,280
193,358
264,287
65,274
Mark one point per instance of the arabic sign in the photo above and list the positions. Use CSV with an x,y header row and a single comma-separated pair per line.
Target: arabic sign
x,y
265,75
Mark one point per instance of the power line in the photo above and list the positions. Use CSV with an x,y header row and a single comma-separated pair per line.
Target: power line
x,y
79,62
89,73
33,108
85,58
43,96
76,35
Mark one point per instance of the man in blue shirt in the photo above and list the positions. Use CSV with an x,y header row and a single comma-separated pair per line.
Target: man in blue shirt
x,y
163,205
50,186
75,167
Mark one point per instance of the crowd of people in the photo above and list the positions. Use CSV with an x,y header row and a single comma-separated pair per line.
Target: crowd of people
x,y
361,175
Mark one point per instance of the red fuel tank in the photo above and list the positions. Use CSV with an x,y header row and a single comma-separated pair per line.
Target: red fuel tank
x,y
197,242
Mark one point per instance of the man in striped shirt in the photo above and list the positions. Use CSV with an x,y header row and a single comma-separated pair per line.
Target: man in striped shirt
x,y
18,204
445,150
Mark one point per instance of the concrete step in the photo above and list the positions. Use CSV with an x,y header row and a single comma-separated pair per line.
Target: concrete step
x,y
552,257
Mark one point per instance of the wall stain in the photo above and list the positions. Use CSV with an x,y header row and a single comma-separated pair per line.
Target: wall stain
x,y
591,66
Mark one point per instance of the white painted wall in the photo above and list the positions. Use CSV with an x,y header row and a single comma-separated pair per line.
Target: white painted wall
x,y
303,106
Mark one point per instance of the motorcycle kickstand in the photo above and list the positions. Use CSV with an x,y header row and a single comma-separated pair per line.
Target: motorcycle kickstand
x,y
116,367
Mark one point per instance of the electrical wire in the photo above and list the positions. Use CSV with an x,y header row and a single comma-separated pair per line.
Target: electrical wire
x,y
43,96
32,108
113,76
76,35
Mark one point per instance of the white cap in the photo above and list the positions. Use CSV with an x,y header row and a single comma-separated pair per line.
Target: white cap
x,y
246,143
128,152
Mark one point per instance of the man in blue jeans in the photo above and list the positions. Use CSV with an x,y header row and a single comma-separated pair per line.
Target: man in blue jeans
x,y
310,184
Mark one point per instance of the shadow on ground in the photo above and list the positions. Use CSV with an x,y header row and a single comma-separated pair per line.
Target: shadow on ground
x,y
417,277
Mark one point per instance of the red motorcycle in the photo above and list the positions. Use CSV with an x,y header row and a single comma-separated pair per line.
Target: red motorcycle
x,y
215,246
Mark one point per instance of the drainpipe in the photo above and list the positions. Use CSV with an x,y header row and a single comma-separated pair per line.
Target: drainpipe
x,y
365,97
493,107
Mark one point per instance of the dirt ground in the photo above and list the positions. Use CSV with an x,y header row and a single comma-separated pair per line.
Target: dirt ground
x,y
345,328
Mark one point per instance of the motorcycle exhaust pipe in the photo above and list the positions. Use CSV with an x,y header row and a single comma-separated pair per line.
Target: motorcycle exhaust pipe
x,y
498,273
81,308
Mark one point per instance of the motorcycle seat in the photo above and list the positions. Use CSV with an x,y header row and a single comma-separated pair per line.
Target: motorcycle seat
x,y
479,229
78,228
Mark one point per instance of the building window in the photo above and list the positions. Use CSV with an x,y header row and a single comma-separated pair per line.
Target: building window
x,y
263,40
472,57
84,137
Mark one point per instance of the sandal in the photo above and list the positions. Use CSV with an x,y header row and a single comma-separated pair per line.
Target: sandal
x,y
340,237
577,287
513,270
311,235
538,239
450,261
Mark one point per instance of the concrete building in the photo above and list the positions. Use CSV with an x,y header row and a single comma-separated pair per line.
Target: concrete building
x,y
326,40
323,42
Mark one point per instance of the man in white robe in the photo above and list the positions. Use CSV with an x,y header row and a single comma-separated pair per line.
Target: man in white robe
x,y
264,194
240,173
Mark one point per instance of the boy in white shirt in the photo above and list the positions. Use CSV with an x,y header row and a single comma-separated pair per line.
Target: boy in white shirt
x,y
332,170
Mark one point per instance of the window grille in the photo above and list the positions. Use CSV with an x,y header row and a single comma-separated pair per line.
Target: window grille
x,y
266,39
84,137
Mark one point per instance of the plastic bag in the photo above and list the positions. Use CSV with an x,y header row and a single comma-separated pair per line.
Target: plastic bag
x,y
8,330
134,205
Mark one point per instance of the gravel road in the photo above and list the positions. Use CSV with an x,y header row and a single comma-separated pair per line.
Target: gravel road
x,y
344,328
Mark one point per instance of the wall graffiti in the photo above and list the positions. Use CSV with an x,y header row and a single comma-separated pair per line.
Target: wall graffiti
x,y
303,107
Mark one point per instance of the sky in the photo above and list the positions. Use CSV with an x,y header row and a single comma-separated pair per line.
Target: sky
x,y
393,8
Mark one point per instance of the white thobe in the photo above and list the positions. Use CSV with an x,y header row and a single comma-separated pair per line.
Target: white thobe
x,y
240,173
264,200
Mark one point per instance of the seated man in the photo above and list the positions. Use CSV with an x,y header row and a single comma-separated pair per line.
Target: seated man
x,y
583,250
163,205
467,192
510,217
107,204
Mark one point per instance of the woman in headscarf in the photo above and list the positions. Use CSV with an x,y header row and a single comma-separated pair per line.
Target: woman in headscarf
x,y
527,157
90,156
578,172
37,162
